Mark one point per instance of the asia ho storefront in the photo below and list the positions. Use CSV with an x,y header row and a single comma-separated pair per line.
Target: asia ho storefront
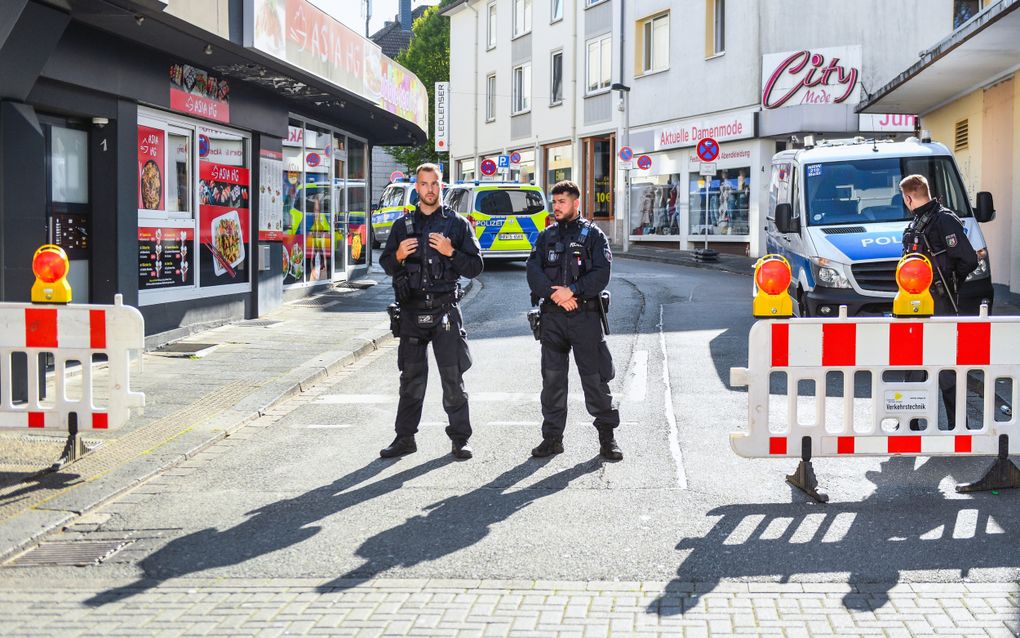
x,y
205,160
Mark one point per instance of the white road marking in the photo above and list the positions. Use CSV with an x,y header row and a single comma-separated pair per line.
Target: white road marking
x,y
674,433
324,426
637,379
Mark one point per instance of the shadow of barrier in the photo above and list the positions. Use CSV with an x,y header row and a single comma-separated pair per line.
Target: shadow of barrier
x,y
872,387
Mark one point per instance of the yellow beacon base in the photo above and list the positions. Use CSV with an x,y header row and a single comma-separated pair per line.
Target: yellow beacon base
x,y
913,279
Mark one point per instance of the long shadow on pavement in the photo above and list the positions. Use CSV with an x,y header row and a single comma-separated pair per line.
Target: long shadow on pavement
x,y
456,522
873,541
270,528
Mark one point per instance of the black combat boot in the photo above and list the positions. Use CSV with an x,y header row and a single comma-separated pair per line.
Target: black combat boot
x,y
548,447
401,445
461,450
608,447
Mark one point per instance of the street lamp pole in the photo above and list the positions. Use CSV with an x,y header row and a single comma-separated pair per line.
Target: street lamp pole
x,y
625,107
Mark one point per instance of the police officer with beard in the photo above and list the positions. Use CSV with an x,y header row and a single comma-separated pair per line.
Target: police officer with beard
x,y
427,251
937,233
568,270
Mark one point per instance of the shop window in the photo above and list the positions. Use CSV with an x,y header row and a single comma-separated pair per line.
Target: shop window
x,y
559,164
655,204
653,44
224,216
720,204
524,172
599,66
356,239
556,75
598,177
179,175
317,190
293,205
521,89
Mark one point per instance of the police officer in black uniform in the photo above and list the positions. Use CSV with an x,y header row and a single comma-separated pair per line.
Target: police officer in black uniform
x,y
937,233
426,253
568,270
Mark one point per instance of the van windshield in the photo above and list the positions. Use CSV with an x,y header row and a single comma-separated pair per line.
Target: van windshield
x,y
510,202
865,191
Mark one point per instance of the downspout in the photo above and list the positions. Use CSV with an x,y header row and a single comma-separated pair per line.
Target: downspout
x,y
475,96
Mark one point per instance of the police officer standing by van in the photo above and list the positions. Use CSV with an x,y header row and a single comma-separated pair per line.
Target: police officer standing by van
x,y
937,233
426,253
568,270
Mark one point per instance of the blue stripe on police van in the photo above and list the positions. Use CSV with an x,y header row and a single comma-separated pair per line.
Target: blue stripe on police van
x,y
530,229
860,246
489,236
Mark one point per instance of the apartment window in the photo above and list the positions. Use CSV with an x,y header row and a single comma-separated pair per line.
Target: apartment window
x,y
556,11
964,10
600,64
490,21
522,17
715,27
556,73
653,43
592,3
521,89
490,97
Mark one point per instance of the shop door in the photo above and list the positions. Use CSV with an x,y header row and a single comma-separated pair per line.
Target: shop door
x,y
357,246
68,210
340,206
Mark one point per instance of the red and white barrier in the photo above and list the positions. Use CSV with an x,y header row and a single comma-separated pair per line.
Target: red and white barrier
x,y
71,333
812,349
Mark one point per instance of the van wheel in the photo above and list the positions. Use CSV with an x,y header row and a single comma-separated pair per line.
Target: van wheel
x,y
373,241
802,307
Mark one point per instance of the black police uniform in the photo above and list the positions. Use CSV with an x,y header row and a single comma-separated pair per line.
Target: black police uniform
x,y
937,233
574,254
430,313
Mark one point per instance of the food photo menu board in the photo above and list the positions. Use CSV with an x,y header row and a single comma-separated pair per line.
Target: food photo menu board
x,y
224,224
166,257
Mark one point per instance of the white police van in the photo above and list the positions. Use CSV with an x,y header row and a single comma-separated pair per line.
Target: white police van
x,y
836,213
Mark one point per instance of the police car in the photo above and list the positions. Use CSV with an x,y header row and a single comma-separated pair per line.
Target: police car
x,y
837,214
398,198
507,216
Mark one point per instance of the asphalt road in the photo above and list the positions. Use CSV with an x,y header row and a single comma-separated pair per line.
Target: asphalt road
x,y
304,494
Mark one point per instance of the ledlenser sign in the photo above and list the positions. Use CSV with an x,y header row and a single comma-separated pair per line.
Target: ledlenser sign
x,y
819,76
306,37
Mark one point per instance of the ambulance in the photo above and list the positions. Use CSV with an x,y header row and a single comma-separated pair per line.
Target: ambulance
x,y
837,214
507,216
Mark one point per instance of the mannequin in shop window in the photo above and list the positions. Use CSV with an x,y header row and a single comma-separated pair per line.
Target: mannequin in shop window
x,y
647,203
723,220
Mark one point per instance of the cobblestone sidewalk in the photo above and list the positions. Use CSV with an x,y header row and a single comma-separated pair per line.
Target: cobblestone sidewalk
x,y
402,607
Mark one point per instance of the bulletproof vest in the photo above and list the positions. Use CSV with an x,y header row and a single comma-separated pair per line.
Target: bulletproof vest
x,y
427,269
565,260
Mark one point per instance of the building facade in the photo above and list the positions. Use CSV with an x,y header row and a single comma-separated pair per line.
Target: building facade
x,y
965,92
206,160
658,76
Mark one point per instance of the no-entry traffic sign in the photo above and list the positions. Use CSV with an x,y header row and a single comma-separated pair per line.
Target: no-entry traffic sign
x,y
515,158
708,150
644,162
488,167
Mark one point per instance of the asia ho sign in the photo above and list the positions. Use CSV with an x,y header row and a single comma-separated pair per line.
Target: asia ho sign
x,y
818,76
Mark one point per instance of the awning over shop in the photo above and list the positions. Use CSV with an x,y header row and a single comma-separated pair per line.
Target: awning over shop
x,y
322,67
980,52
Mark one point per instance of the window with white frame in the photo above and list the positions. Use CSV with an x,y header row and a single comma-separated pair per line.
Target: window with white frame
x,y
490,97
556,76
521,94
718,27
522,17
592,3
490,22
599,67
556,11
654,39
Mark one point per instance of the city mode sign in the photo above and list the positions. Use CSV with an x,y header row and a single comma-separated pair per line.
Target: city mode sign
x,y
818,76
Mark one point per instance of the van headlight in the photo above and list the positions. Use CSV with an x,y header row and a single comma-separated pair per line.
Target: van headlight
x,y
829,273
982,269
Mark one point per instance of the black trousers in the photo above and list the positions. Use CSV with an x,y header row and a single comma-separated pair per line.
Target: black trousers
x,y
947,379
580,331
444,329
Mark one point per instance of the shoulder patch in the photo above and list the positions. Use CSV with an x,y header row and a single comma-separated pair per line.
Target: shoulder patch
x,y
951,240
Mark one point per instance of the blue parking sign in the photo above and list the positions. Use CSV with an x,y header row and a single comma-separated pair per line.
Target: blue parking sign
x,y
503,161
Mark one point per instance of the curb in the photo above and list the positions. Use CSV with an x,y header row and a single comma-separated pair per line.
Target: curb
x,y
690,263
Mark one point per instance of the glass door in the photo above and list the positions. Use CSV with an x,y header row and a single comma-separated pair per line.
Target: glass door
x,y
340,206
67,199
357,205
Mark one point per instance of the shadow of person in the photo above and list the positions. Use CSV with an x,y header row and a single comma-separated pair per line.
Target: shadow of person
x,y
270,528
905,525
456,522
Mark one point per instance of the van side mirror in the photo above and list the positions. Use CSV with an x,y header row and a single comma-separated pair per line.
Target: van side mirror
x,y
785,221
985,208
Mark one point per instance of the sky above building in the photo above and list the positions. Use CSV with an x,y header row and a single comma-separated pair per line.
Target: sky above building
x,y
352,12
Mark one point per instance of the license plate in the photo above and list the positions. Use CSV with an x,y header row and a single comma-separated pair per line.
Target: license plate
x,y
511,236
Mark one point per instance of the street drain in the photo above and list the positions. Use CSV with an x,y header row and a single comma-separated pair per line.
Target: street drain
x,y
70,554
316,302
261,323
184,349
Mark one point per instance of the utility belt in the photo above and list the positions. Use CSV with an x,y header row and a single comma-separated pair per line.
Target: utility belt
x,y
589,305
598,304
422,303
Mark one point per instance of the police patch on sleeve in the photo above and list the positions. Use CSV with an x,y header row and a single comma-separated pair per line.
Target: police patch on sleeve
x,y
951,240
